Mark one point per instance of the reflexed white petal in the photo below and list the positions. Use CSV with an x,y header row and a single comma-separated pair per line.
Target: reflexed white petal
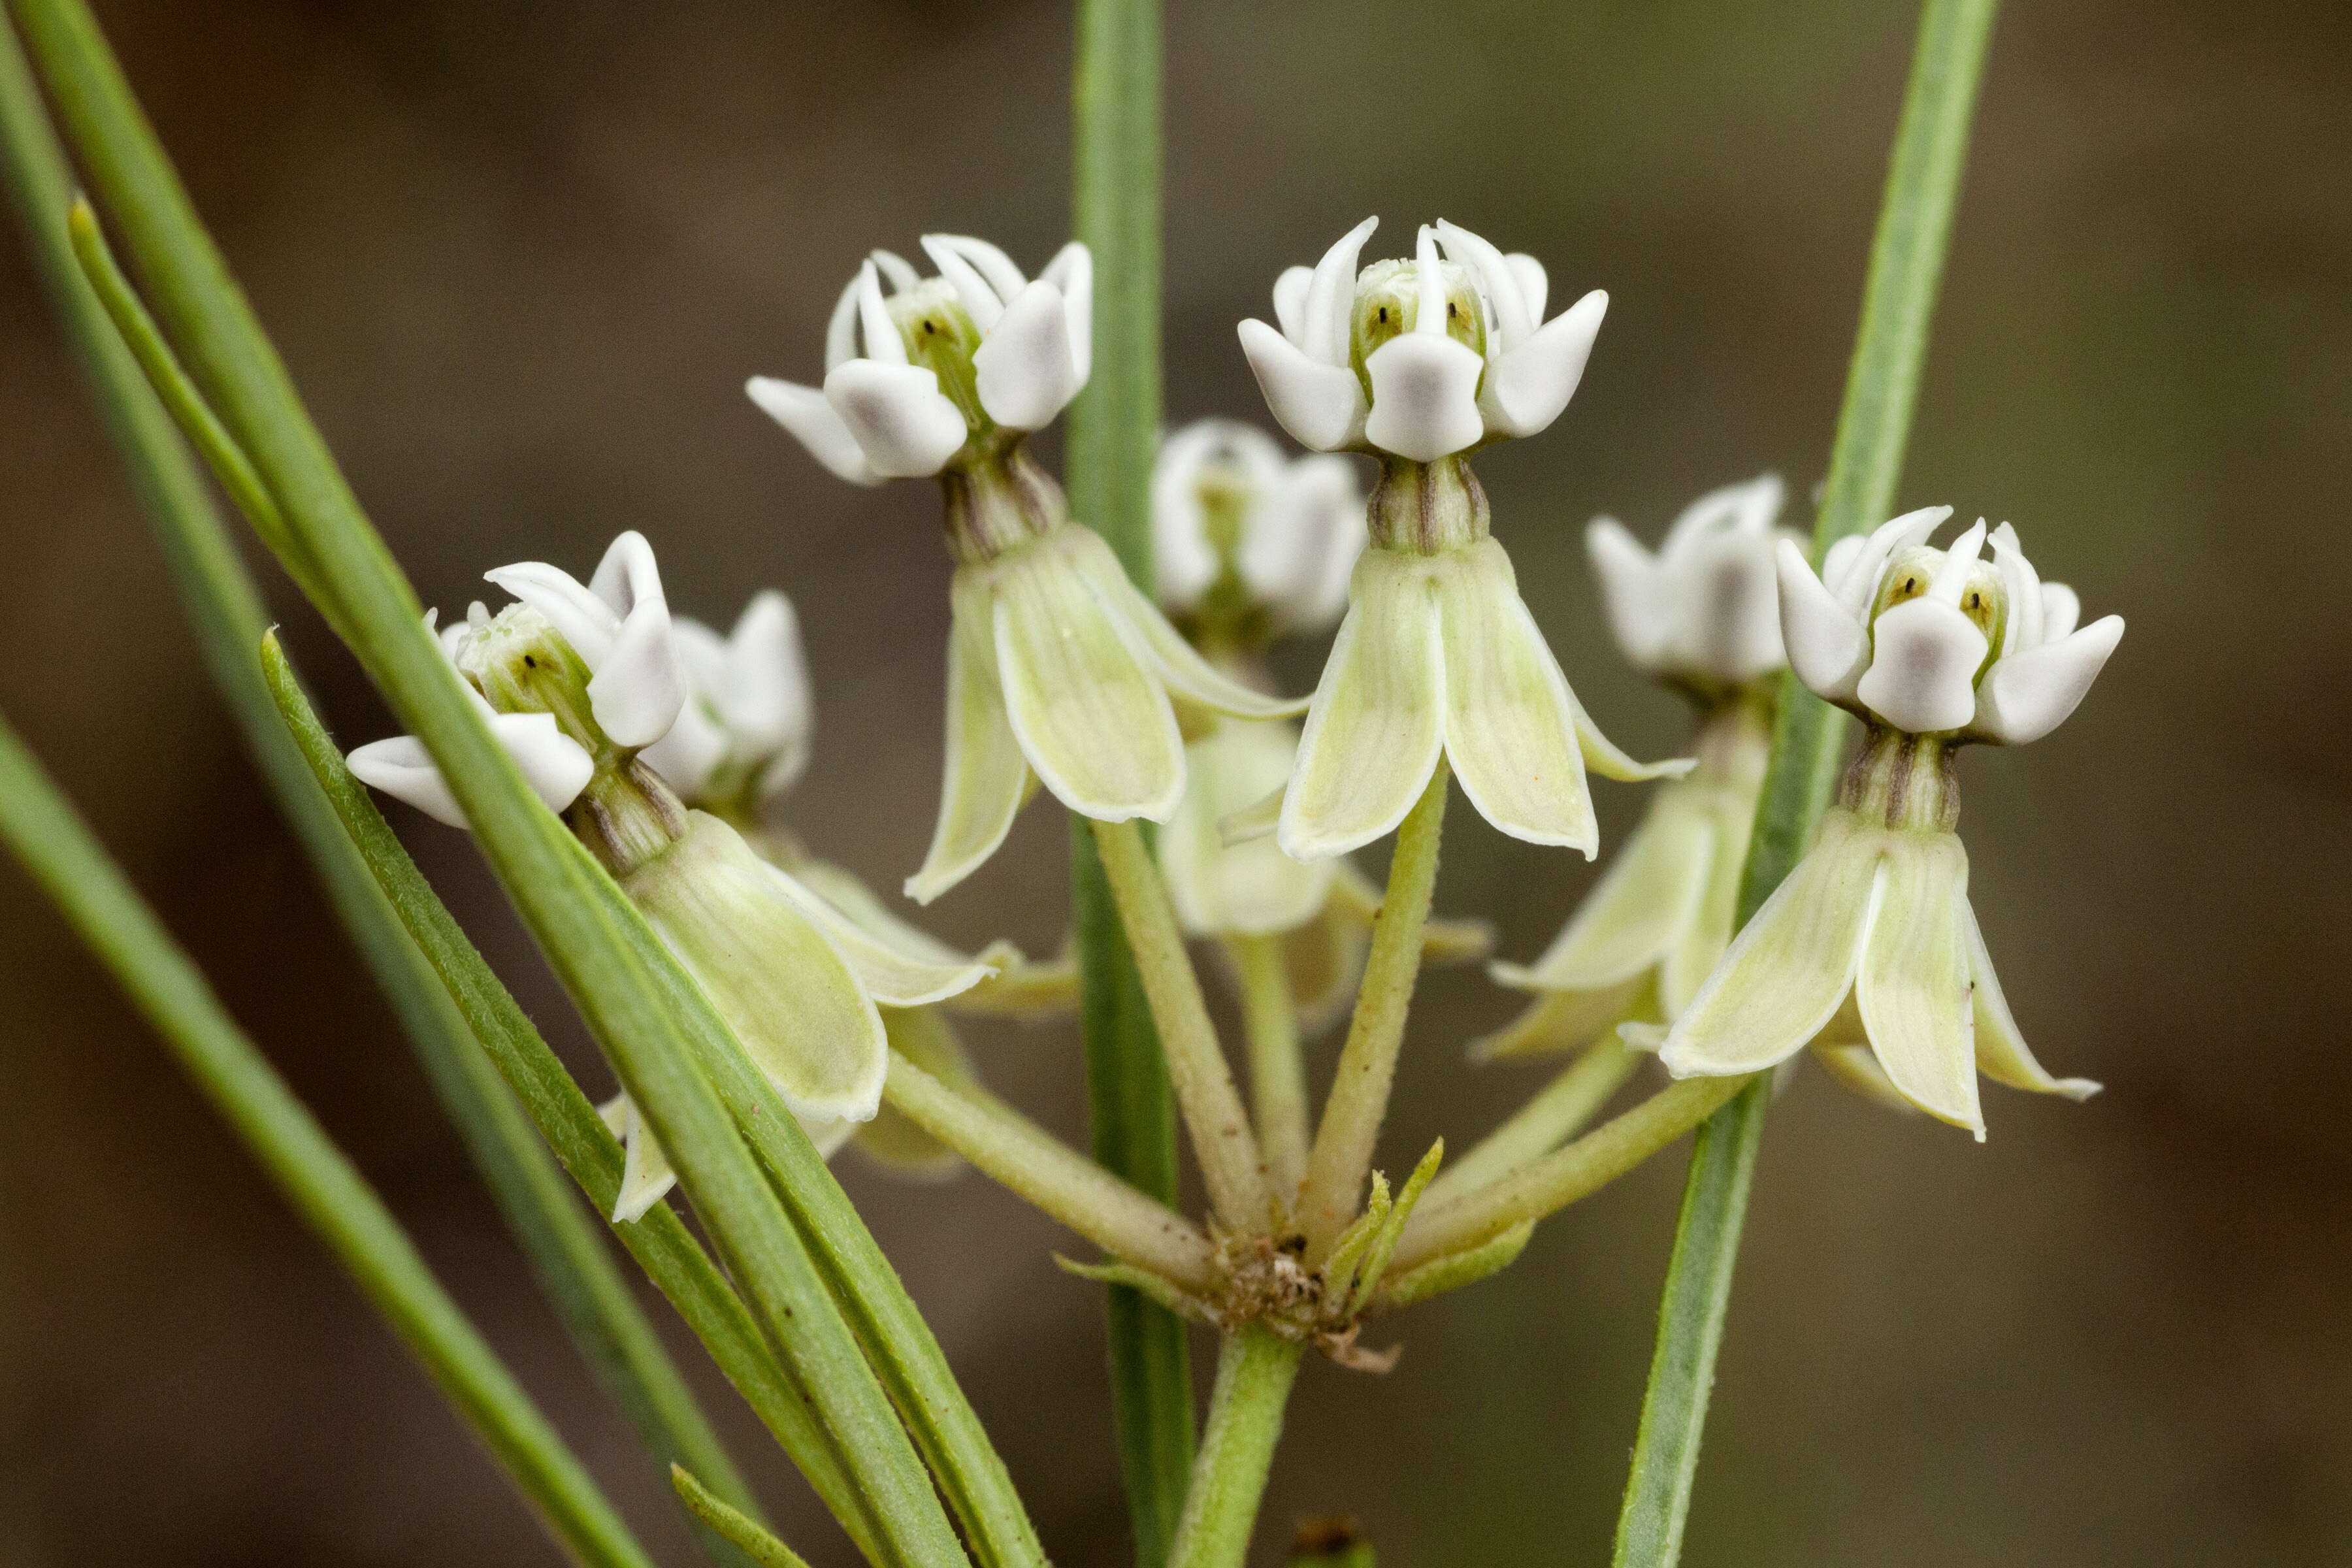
x,y
2001,1052
1827,646
792,999
1290,301
1025,370
1331,299
892,978
982,302
1425,397
904,424
1534,286
2062,611
1632,591
804,411
579,615
1856,581
1091,717
1510,724
1528,386
1912,986
1644,902
1072,272
1250,888
1924,656
1376,728
400,767
1790,966
556,767
1175,662
2027,695
1322,405
987,778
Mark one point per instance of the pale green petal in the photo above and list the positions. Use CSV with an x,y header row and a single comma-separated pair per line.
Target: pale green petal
x,y
849,894
1257,820
1510,723
1607,759
646,1174
1790,966
1091,718
891,975
792,999
892,1139
1251,889
1178,665
2002,1055
1376,728
1705,940
1854,1067
1640,909
1913,987
1022,988
988,779
1561,1021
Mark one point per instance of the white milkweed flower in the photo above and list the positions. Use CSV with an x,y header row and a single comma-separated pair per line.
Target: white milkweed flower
x,y
1870,950
1242,533
599,668
912,375
1438,659
744,726
1421,359
1703,615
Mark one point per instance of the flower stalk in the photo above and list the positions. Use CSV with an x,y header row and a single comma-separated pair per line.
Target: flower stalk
x,y
1278,1067
1255,1368
1557,1112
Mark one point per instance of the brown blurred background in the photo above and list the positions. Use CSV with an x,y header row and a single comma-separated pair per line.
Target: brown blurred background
x,y
521,256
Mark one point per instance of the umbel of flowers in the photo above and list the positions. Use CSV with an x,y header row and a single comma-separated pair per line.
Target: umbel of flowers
x,y
1419,364
1870,951
578,681
1701,615
1059,671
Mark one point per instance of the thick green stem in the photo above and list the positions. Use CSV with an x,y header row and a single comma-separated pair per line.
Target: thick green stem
x,y
1343,1155
68,862
222,602
1907,265
1255,1368
1557,1112
1221,1140
1278,1067
1113,429
1015,1152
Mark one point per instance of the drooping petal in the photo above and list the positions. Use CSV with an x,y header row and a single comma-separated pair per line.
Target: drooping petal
x,y
987,778
1606,757
804,411
1175,662
401,767
905,425
1510,722
851,897
1924,659
892,1139
1789,967
646,1174
1531,386
2027,695
1912,986
1855,1068
1562,1021
2000,1050
792,1001
1630,591
1322,405
1025,369
1072,272
1828,647
1091,717
892,977
1425,397
1376,725
1640,908
1253,889
1705,940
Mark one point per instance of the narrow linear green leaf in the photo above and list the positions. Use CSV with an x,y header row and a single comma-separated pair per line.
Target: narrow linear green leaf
x,y
660,1241
1907,265
1113,428
225,608
58,850
739,1528
1457,1269
654,1024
